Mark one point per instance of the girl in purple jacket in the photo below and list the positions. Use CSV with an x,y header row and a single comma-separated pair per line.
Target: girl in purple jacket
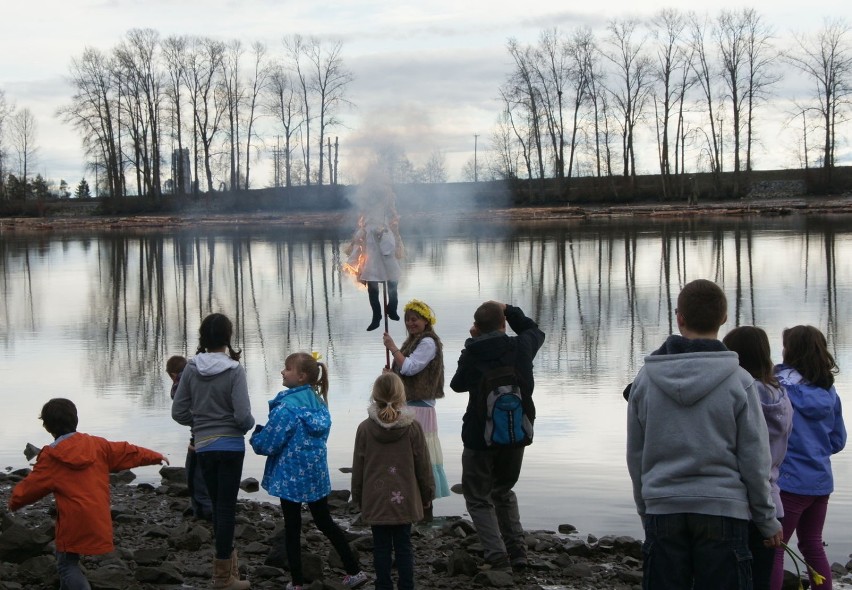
x,y
805,478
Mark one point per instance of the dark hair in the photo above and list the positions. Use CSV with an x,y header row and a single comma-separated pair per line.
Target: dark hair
x,y
703,306
215,332
806,350
488,317
59,416
752,346
175,364
315,371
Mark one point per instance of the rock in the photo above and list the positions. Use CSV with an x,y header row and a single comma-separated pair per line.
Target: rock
x,y
566,529
19,543
163,574
151,555
494,579
190,538
249,484
111,577
459,563
457,489
41,569
121,477
173,474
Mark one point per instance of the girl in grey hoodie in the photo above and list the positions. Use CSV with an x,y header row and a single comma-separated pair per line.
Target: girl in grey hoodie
x,y
752,346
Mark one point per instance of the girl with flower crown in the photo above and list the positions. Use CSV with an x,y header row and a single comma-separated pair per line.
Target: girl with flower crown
x,y
420,364
391,479
294,441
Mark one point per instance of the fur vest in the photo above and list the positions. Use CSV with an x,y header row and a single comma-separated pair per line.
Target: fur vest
x,y
428,383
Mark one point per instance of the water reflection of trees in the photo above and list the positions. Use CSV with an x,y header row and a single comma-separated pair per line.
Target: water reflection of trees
x,y
604,292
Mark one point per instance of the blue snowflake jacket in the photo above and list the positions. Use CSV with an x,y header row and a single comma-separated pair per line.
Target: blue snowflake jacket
x,y
294,441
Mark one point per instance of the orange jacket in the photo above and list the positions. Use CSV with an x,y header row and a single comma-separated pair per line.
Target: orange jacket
x,y
76,470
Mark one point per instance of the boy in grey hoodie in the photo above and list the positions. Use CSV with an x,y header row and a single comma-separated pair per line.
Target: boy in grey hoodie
x,y
698,454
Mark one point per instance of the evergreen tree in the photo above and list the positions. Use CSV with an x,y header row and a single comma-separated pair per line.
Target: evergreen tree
x,y
82,191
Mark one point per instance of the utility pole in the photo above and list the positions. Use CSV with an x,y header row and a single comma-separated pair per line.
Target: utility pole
x,y
475,167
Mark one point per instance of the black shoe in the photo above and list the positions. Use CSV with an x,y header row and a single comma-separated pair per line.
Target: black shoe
x,y
374,324
393,315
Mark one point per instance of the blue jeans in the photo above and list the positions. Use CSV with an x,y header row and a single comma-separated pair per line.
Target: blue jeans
x,y
696,551
487,481
390,539
70,575
222,471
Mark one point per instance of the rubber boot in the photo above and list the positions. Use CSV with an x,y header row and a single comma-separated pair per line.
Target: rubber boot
x,y
223,578
393,301
373,294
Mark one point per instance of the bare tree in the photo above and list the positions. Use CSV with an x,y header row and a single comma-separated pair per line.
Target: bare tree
x,y
672,62
174,54
137,60
296,48
760,57
232,93
329,81
702,65
550,66
522,95
23,131
435,169
282,103
93,111
631,89
258,83
204,63
826,58
6,110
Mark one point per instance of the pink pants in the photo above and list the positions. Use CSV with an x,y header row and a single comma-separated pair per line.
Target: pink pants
x,y
804,515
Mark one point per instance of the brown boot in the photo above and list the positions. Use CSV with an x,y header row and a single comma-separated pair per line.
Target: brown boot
x,y
223,578
235,565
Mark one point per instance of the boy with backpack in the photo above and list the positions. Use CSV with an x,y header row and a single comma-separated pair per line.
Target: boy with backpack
x,y
698,454
497,371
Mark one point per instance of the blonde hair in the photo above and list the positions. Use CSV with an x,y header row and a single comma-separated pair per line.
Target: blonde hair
x,y
388,396
315,371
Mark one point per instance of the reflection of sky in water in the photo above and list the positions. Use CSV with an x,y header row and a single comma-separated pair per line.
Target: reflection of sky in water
x,y
95,320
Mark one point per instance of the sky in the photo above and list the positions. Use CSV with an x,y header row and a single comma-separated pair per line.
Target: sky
x,y
426,72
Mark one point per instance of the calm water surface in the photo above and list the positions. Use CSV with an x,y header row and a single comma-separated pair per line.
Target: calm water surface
x,y
93,318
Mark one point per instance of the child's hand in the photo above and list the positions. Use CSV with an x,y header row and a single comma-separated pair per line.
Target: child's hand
x,y
164,459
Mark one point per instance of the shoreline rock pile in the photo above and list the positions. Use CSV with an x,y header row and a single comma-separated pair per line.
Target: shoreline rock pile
x,y
160,545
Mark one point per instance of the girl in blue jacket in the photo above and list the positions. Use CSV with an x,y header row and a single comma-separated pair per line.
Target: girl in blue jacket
x,y
294,440
806,479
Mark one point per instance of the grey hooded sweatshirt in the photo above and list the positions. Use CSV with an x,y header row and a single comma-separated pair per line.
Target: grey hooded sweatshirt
x,y
696,437
212,398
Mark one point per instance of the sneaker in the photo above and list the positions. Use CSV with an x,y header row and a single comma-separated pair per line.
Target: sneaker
x,y
518,560
355,580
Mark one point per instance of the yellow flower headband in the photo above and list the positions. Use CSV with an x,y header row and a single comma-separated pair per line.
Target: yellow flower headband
x,y
422,309
317,356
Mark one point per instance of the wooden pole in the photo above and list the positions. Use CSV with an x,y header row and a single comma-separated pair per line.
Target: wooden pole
x,y
385,313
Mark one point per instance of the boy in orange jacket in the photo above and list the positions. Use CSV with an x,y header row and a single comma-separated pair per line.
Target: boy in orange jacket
x,y
76,468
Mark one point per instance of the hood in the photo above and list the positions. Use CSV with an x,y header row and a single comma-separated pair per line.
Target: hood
x,y
489,347
213,363
74,450
776,407
304,403
811,401
688,377
387,432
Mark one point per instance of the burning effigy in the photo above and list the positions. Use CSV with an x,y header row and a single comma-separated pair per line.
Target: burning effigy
x,y
376,248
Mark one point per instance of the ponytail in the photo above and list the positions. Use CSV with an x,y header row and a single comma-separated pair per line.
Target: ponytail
x,y
389,397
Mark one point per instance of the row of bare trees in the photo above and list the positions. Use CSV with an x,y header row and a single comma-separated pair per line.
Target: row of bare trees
x,y
197,102
18,138
680,85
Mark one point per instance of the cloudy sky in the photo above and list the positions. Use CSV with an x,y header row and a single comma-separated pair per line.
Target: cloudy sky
x,y
429,71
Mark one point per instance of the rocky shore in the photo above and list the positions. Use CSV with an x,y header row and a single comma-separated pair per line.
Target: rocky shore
x,y
767,203
160,545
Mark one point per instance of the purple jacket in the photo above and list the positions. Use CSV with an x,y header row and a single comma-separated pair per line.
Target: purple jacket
x,y
778,413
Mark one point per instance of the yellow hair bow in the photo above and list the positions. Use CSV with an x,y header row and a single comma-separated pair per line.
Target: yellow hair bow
x,y
317,356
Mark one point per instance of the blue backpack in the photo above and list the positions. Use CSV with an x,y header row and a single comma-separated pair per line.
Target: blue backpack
x,y
506,424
